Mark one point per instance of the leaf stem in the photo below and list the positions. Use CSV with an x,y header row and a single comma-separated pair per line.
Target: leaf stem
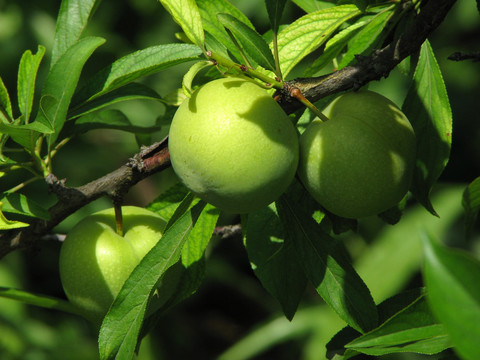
x,y
118,218
248,71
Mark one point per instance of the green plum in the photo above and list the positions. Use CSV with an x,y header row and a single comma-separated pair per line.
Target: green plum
x,y
360,162
95,261
233,146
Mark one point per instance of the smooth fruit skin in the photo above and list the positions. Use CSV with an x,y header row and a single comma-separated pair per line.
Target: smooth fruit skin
x,y
95,261
233,145
360,162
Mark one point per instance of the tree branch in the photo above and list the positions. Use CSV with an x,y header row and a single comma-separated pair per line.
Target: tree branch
x,y
156,157
372,67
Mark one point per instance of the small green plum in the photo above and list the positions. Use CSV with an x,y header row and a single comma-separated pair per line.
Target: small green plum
x,y
232,145
95,260
360,162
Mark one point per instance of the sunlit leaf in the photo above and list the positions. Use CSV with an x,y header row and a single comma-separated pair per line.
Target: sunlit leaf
x,y
186,14
428,109
471,203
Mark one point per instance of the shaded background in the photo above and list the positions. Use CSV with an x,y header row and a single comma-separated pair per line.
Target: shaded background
x,y
231,304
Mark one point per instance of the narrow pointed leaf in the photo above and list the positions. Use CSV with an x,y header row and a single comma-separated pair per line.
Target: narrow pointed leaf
x,y
108,119
413,329
251,41
326,267
313,5
132,91
306,34
72,20
191,73
61,83
25,135
186,14
275,10
27,74
274,260
20,204
428,109
134,66
121,327
208,11
453,291
6,224
471,203
5,104
367,38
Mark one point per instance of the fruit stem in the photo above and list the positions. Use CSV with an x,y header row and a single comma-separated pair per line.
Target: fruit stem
x,y
297,94
118,218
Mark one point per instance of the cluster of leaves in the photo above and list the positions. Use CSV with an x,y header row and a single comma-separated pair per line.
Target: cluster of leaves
x,y
289,243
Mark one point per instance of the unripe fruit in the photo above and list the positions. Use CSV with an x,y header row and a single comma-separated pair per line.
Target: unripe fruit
x,y
95,261
360,162
233,146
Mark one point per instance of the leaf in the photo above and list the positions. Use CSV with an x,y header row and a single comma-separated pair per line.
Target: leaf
x,y
44,301
186,14
5,104
326,267
22,205
251,41
108,119
471,203
119,332
6,224
333,48
453,291
166,203
27,74
191,73
312,5
72,19
367,38
134,66
413,329
61,83
208,11
274,260
132,91
275,10
25,134
428,109
307,33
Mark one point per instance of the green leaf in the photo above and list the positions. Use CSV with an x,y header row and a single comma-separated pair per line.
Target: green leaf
x,y
208,11
5,104
413,329
44,301
333,48
6,224
61,82
119,332
132,91
22,205
167,203
72,20
27,74
191,73
327,268
453,291
108,119
134,66
306,34
428,109
274,260
186,14
25,135
471,203
367,38
251,41
313,5
275,10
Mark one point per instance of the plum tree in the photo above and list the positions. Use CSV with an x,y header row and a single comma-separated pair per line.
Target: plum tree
x,y
233,145
359,162
95,260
